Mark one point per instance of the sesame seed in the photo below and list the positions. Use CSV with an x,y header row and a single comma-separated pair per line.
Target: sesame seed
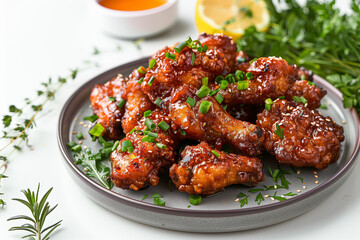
x,y
328,119
204,124
84,138
266,196
314,172
316,182
85,125
272,198
85,147
315,176
80,142
282,196
298,190
81,123
344,122
298,172
304,187
275,186
73,132
236,200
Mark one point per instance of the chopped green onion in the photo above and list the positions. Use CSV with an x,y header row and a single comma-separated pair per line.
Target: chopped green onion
x,y
225,107
279,131
230,78
182,132
215,153
205,81
213,92
311,83
126,146
218,79
303,77
191,101
163,125
224,84
80,136
71,144
268,103
91,118
152,63
160,145
249,75
151,80
203,91
112,99
97,130
195,199
121,103
151,134
144,197
204,107
114,147
242,85
252,61
323,106
180,46
147,138
240,75
150,124
282,97
141,70
219,98
204,48
170,56
159,201
158,102
141,80
303,100
132,131
192,59
300,99
147,113
76,148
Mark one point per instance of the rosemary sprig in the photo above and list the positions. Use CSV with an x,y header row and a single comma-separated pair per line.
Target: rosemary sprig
x,y
40,209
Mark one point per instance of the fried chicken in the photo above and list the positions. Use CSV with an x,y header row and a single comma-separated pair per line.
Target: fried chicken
x,y
205,171
299,136
309,91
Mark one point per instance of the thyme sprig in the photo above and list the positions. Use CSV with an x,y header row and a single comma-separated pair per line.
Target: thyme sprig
x,y
39,209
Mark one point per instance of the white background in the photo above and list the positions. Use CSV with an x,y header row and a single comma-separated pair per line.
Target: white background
x,y
43,38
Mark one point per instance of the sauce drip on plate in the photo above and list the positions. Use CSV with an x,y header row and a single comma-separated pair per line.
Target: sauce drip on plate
x,y
130,5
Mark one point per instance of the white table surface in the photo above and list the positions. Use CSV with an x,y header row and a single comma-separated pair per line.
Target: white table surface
x,y
42,38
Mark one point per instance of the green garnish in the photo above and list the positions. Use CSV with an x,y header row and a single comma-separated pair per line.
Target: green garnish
x,y
180,46
216,154
219,98
192,59
230,78
249,75
213,92
224,84
195,199
242,85
279,131
147,113
150,124
126,146
205,81
141,80
159,201
244,200
112,99
141,70
300,99
97,130
144,197
121,103
76,148
259,198
191,101
240,75
268,103
91,118
148,138
203,91
160,145
252,61
323,106
218,79
158,102
151,134
282,97
164,126
247,12
114,147
151,80
79,136
182,132
71,144
170,56
152,63
204,107
132,131
309,82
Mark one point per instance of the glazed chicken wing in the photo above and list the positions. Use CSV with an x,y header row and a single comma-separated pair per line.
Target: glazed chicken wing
x,y
299,136
204,171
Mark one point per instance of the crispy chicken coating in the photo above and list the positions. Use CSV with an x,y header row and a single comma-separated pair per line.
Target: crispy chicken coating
x,y
309,91
107,110
139,168
299,136
200,171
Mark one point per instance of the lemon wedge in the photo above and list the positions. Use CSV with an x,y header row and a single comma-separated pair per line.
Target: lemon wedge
x,y
231,17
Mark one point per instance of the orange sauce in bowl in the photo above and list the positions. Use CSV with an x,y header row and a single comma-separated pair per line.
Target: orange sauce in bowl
x,y
131,5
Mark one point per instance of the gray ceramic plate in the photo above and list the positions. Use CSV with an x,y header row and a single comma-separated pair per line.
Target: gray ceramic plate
x,y
221,212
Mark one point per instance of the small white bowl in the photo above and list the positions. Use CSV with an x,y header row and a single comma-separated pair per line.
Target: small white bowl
x,y
135,24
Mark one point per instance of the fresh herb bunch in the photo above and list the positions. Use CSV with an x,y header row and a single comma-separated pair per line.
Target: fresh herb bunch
x,y
315,36
40,209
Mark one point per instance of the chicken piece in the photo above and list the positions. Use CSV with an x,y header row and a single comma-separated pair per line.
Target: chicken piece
x,y
299,136
107,110
137,103
140,167
309,91
272,77
215,125
204,171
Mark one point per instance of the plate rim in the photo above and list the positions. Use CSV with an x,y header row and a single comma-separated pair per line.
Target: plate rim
x,y
198,212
